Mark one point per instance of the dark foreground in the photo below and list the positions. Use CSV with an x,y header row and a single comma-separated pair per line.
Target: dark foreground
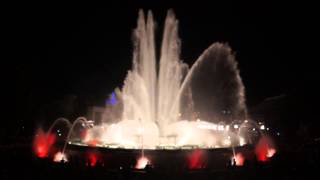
x,y
18,162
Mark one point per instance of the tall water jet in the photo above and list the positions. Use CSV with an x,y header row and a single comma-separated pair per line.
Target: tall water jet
x,y
139,91
148,95
171,71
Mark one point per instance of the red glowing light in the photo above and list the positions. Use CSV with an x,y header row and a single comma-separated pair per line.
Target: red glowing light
x,y
93,142
239,158
196,160
265,149
93,159
42,143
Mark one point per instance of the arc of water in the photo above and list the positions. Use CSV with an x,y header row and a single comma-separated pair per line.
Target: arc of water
x,y
78,120
62,120
197,63
187,78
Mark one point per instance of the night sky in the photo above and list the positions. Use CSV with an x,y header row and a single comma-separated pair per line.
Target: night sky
x,y
58,50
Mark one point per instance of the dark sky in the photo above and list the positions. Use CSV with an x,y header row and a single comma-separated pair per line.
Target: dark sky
x,y
58,49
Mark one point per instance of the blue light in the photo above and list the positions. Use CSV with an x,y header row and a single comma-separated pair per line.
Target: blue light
x,y
112,99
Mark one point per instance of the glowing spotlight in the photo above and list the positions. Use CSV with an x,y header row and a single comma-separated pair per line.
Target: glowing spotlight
x,y
59,157
262,127
93,159
42,143
93,142
142,162
236,126
196,160
265,149
239,159
271,152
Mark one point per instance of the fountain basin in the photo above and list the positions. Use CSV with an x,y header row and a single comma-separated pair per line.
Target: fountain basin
x,y
177,159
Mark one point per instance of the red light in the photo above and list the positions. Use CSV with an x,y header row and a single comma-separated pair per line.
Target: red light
x,y
93,159
265,149
93,142
239,158
42,143
196,160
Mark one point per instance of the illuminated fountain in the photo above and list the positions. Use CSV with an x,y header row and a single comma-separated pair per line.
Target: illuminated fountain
x,y
167,105
156,97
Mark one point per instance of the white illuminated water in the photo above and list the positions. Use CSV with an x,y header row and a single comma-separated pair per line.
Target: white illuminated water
x,y
156,96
